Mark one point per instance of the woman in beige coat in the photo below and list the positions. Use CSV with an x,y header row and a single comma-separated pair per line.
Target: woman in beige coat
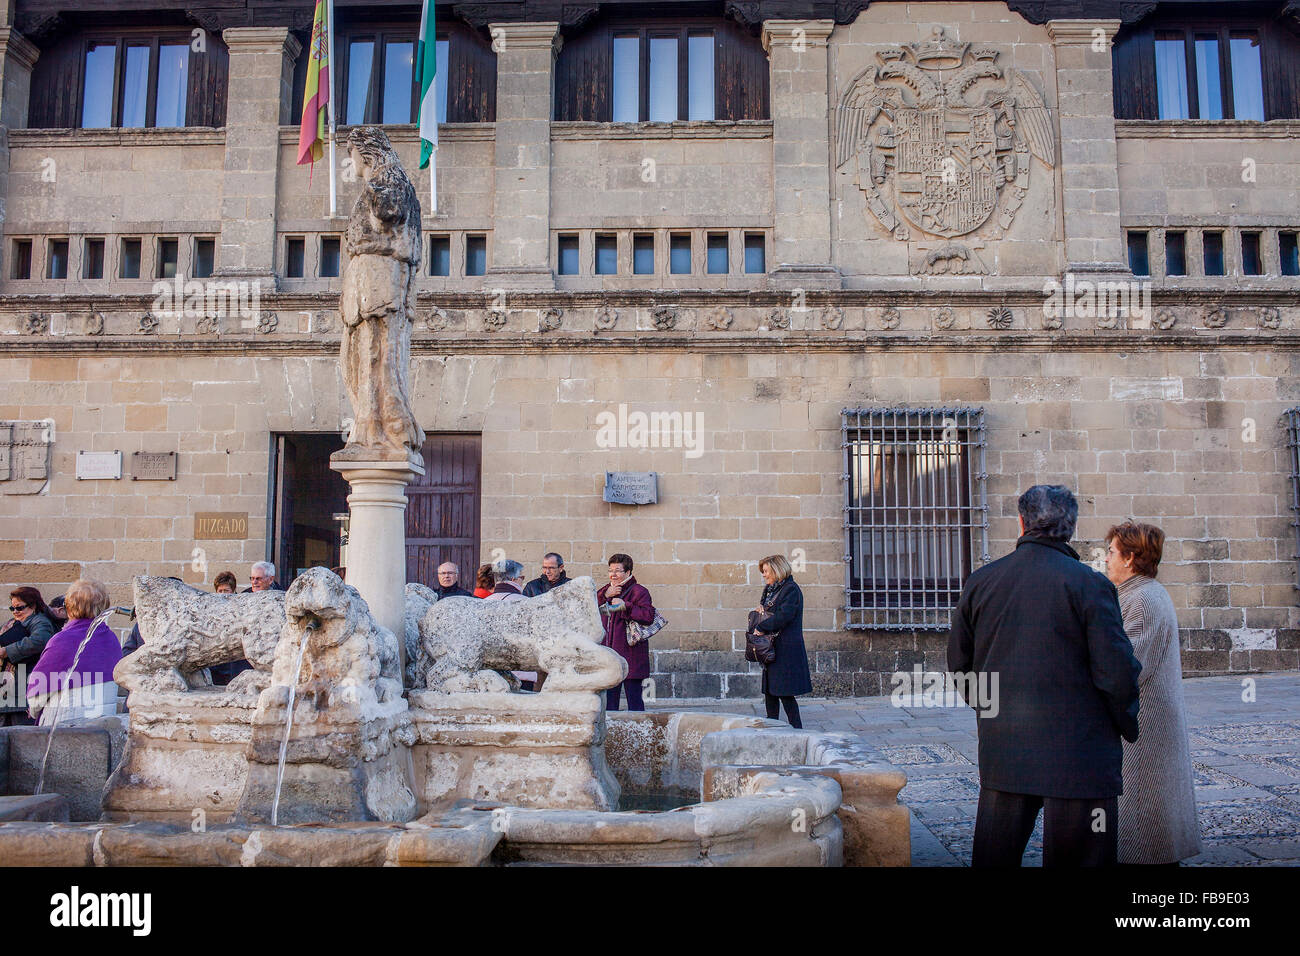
x,y
1157,811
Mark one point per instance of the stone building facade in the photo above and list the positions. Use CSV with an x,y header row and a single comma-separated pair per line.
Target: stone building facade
x,y
874,279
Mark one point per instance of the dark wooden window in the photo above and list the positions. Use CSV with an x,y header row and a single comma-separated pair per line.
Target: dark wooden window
x,y
168,258
1170,67
329,256
130,263
1212,253
386,88
1251,262
129,78
57,262
653,56
204,257
439,255
755,252
1176,253
92,260
22,267
1138,260
1289,253
295,257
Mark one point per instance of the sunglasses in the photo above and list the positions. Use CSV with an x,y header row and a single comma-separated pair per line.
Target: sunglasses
x,y
20,607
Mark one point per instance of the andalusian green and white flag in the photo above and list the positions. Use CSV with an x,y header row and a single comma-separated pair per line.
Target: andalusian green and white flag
x,y
426,66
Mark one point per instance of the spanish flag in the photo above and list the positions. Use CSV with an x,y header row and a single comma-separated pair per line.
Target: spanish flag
x,y
316,93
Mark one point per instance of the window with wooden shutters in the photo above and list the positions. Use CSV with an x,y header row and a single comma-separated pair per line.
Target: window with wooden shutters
x,y
915,513
1170,67
623,70
136,78
376,81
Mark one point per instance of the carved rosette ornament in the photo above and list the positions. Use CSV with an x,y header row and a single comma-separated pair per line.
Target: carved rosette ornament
x,y
1270,318
832,318
606,318
1000,317
717,319
494,320
778,319
36,323
891,319
436,320
267,322
148,323
322,323
208,325
1164,319
945,319
548,320
938,135
664,317
1215,319
95,323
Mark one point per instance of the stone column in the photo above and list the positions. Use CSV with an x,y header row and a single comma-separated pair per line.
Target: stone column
x,y
377,538
521,215
17,57
801,154
258,103
1089,157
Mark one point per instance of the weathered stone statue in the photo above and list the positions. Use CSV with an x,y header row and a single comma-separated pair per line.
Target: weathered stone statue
x,y
378,304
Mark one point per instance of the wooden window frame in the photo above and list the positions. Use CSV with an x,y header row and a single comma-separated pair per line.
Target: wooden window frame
x,y
122,40
647,30
382,35
1222,33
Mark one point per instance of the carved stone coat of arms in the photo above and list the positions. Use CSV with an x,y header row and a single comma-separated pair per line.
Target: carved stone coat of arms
x,y
938,136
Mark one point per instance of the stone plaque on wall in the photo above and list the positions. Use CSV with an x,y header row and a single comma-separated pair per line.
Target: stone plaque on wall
x,y
632,487
153,466
221,525
96,465
25,456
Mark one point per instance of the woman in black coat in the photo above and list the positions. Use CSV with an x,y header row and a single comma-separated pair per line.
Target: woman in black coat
x,y
782,604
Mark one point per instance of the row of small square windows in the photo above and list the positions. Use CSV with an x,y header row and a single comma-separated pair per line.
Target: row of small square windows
x,y
1213,261
130,259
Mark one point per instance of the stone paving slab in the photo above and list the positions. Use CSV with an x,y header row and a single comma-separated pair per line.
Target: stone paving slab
x,y
1245,754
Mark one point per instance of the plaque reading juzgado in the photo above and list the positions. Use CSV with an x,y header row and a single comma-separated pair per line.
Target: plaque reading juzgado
x,y
632,487
153,466
221,525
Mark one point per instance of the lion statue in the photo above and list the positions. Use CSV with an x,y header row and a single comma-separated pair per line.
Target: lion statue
x,y
185,630
346,648
467,641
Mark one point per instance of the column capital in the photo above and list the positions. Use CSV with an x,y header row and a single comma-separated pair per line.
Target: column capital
x,y
789,32
535,35
261,40
13,43
1080,32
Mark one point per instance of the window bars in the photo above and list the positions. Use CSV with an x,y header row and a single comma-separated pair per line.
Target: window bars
x,y
1293,458
915,513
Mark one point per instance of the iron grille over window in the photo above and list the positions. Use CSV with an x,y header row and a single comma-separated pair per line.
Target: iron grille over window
x,y
1293,457
915,513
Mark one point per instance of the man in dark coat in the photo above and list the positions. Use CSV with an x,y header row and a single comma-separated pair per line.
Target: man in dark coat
x,y
1039,648
553,575
449,582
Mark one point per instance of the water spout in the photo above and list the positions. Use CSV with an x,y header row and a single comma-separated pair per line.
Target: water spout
x,y
312,625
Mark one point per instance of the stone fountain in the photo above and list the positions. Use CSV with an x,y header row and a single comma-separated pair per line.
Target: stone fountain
x,y
381,726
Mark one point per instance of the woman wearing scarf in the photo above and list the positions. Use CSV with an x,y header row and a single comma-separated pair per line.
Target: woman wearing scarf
x,y
781,607
621,601
72,686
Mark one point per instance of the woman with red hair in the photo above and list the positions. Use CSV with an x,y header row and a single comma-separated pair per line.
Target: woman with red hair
x,y
1157,810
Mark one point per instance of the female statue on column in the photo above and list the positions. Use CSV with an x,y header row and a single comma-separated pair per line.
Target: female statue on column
x,y
378,304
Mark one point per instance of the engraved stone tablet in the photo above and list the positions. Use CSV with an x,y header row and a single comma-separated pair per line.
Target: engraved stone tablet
x,y
632,487
220,525
153,466
93,465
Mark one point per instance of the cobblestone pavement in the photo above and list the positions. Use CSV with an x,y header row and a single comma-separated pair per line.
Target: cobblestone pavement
x,y
1245,756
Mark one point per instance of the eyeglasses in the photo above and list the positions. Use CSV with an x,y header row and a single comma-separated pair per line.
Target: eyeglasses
x,y
20,607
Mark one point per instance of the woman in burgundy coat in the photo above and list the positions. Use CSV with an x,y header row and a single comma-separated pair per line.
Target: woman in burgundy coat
x,y
623,600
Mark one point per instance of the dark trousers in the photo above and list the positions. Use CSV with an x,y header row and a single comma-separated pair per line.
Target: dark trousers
x,y
634,701
1074,832
791,708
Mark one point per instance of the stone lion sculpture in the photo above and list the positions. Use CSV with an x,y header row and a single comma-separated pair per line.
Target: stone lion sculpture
x,y
467,641
346,647
419,599
185,630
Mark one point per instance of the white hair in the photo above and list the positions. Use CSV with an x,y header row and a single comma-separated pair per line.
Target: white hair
x,y
263,567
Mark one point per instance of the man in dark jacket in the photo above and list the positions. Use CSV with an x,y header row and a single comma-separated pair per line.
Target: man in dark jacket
x,y
449,582
553,575
1039,647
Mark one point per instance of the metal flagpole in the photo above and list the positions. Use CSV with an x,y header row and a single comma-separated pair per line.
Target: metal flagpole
x,y
329,38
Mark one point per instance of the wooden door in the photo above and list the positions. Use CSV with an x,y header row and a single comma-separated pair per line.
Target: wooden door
x,y
442,514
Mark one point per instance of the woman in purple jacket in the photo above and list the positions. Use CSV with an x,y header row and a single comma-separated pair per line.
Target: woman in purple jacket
x,y
623,600
73,679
